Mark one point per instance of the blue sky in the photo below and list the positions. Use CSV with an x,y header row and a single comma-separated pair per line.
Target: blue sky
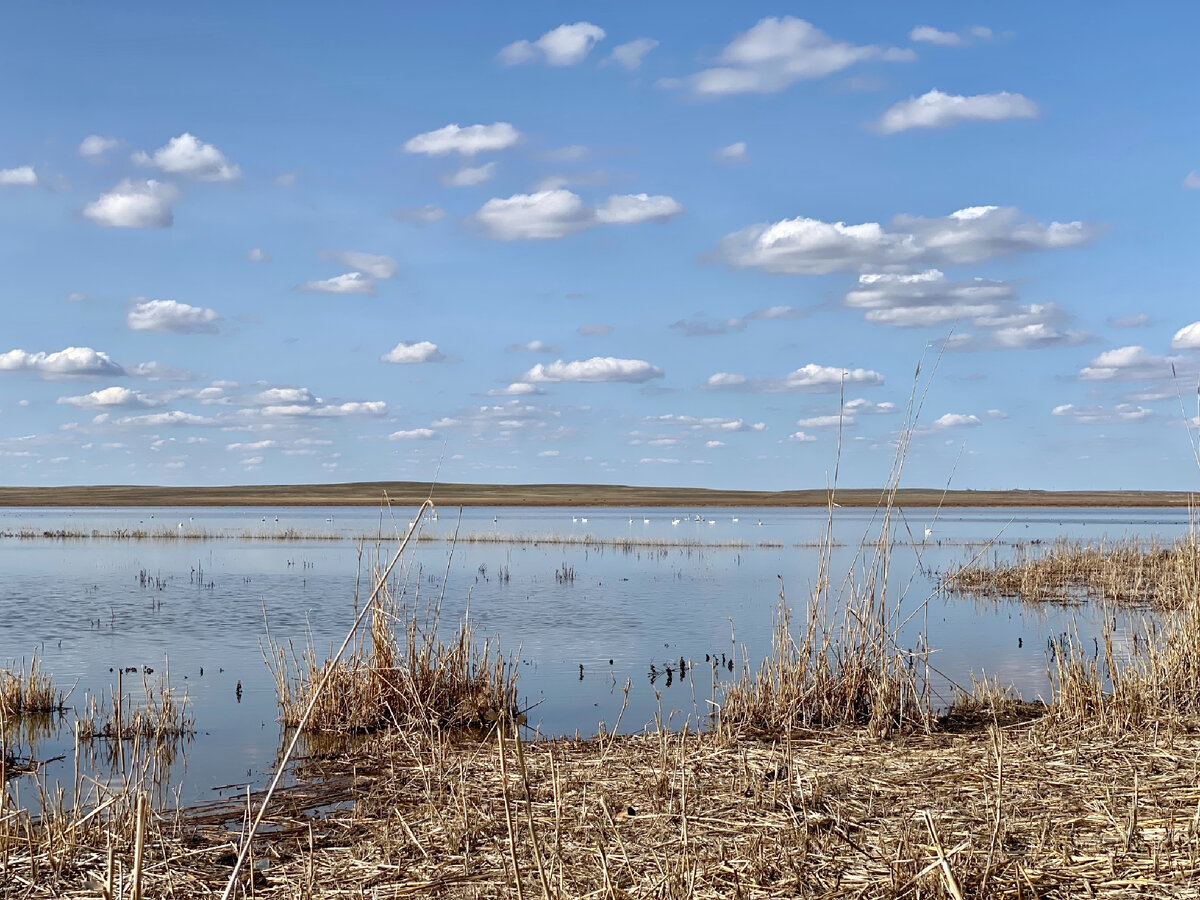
x,y
650,244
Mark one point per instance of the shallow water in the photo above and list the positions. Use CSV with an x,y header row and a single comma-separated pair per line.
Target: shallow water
x,y
660,593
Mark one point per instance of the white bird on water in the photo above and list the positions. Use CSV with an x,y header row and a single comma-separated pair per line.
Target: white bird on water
x,y
928,532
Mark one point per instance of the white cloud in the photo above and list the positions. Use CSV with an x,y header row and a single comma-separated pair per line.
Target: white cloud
x,y
930,35
631,209
75,297
535,347
170,315
825,421
1132,363
546,215
549,215
95,145
1100,415
134,204
776,53
733,153
412,434
374,265
249,447
258,255
321,410
594,329
349,283
938,110
1192,180
706,423
110,398
190,156
516,389
714,444
956,420
412,353
631,53
799,437
1187,338
548,454
21,175
66,362
156,371
658,460
862,406
810,378
565,154
285,179
285,395
927,298
565,45
464,141
803,246
469,176
419,215
596,369
155,420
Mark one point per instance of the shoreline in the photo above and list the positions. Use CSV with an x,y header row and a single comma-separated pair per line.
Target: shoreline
x,y
412,493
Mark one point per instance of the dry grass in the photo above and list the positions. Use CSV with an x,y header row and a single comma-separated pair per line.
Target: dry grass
x,y
403,674
1131,571
24,691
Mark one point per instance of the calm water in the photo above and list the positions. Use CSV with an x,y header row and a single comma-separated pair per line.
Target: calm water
x,y
712,590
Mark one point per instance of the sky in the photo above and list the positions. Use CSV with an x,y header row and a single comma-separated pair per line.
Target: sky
x,y
712,245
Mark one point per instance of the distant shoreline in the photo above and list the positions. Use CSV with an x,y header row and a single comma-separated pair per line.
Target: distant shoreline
x,y
411,493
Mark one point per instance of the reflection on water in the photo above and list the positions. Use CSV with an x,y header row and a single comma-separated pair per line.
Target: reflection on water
x,y
677,602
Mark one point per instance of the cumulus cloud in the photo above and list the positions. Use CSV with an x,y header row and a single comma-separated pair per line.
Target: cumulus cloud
x,y
927,34
830,421
134,204
95,146
594,329
701,326
516,389
419,215
156,420
706,423
927,298
188,155
170,315
374,265
631,209
349,283
535,347
565,45
320,410
70,361
466,141
110,398
800,437
412,353
1101,415
1191,181
596,369
733,153
412,434
804,246
863,406
285,395
553,214
810,378
936,109
956,420
469,176
1132,363
776,53
249,446
258,255
631,53
21,175
1187,338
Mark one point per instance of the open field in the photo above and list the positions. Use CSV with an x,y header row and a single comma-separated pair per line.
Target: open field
x,y
413,493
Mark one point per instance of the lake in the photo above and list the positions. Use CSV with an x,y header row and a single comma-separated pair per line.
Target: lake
x,y
647,588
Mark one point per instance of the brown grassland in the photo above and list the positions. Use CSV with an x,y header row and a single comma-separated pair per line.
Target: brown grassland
x,y
413,493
